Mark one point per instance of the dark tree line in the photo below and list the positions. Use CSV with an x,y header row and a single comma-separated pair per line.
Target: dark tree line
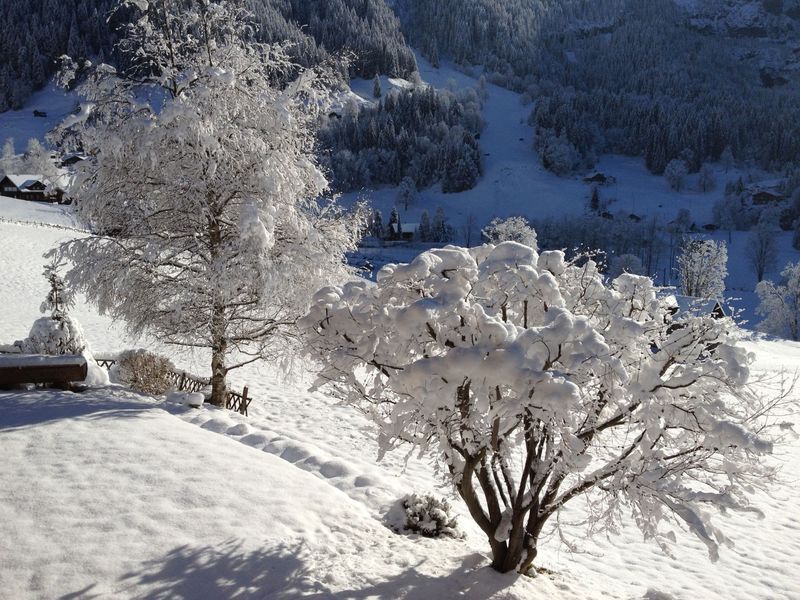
x,y
659,90
34,33
427,135
623,76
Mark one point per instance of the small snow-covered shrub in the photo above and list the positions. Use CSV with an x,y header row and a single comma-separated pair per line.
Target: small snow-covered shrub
x,y
429,516
54,336
143,371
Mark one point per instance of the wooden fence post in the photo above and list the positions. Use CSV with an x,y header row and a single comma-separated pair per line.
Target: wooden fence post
x,y
243,407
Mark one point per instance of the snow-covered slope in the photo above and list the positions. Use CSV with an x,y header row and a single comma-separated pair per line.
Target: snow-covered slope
x,y
21,125
111,494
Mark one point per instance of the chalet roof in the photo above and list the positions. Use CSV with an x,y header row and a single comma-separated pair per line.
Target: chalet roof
x,y
771,193
25,180
696,306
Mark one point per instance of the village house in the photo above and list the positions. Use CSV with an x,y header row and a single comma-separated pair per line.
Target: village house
x,y
762,197
29,187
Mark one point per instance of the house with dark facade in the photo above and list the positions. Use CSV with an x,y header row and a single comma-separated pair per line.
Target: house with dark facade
x,y
24,186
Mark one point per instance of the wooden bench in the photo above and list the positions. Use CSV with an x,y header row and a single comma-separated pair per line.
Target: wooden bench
x,y
17,369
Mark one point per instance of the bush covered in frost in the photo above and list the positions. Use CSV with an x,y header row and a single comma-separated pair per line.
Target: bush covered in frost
x,y
54,336
535,382
429,516
143,371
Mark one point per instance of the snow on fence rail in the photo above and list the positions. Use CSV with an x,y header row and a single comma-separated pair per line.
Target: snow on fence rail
x,y
40,224
186,382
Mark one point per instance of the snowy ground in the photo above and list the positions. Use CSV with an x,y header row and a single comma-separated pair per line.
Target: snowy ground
x,y
21,125
111,494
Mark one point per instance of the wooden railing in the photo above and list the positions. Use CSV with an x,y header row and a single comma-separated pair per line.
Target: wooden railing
x,y
186,382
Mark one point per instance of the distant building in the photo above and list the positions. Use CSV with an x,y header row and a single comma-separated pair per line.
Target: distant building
x,y
73,158
406,232
766,197
599,178
33,187
697,306
24,186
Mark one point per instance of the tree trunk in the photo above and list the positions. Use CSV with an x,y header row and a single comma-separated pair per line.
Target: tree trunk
x,y
219,347
219,340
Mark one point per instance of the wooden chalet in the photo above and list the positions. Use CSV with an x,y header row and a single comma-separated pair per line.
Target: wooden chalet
x,y
73,158
24,186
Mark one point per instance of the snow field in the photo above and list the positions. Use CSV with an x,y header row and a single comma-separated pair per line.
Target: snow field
x,y
106,495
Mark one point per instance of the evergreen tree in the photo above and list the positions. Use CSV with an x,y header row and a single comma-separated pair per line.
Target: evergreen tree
x,y
407,192
424,230
377,225
376,87
394,228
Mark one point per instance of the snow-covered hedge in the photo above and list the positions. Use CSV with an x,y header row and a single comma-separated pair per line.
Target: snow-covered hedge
x,y
143,371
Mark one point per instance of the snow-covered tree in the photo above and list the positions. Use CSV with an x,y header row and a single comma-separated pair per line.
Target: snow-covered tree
x,y
703,267
424,230
534,383
36,159
726,158
441,231
407,192
377,225
394,228
8,160
58,333
556,152
512,229
706,181
469,229
675,173
376,87
760,250
780,304
209,232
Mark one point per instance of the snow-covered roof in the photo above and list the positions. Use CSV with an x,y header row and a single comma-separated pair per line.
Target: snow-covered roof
x,y
25,180
695,306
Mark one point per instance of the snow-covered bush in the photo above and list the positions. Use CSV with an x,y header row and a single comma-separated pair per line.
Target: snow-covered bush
x,y
429,516
533,382
54,336
143,371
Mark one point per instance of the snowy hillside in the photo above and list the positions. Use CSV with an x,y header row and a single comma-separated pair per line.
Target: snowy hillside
x,y
113,494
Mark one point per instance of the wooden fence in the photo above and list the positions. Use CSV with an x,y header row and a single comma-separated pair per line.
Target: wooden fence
x,y
186,382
